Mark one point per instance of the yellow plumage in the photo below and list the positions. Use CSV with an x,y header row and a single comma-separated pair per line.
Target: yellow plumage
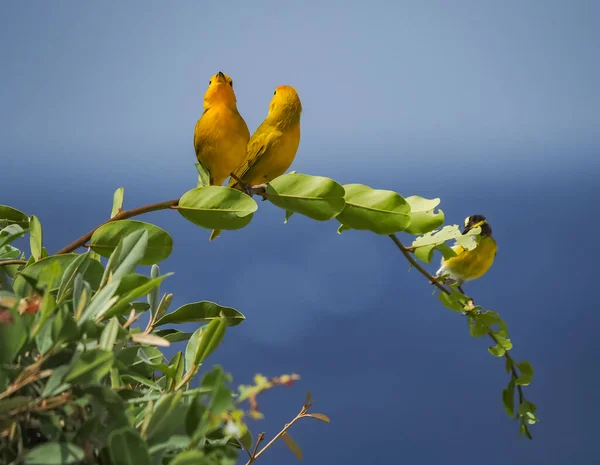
x,y
471,264
221,134
272,148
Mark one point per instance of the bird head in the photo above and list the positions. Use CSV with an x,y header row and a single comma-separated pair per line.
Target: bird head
x,y
220,91
474,221
285,104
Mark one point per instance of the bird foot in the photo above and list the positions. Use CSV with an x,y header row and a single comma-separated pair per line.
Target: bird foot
x,y
260,189
246,188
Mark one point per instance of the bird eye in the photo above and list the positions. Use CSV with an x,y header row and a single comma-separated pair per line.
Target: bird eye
x,y
274,92
231,84
209,83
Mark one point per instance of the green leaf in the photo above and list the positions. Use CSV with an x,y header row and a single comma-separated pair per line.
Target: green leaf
x,y
141,380
33,272
47,308
77,266
196,420
35,237
49,277
202,312
130,360
8,252
55,384
130,282
89,367
174,371
526,373
497,350
203,175
217,207
478,327
117,202
343,228
107,237
221,399
380,211
425,253
292,445
55,453
109,334
211,338
527,411
9,215
422,216
190,457
317,197
455,301
163,306
174,444
101,302
15,402
64,327
12,336
43,338
126,447
173,335
10,234
155,293
192,347
122,305
166,417
467,241
126,255
508,398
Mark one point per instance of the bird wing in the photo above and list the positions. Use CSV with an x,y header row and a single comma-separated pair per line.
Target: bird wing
x,y
197,133
257,146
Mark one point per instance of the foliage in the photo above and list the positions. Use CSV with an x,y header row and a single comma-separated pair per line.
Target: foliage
x,y
82,382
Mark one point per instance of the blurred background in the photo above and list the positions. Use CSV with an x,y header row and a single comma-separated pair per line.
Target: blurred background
x,y
492,106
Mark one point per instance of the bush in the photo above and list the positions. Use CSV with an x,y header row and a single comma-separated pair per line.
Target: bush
x,y
82,382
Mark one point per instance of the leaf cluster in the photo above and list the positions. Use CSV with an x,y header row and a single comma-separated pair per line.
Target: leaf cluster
x,y
82,382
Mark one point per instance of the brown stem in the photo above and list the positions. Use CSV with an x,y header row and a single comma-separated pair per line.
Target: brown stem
x,y
405,251
123,215
419,268
13,262
281,433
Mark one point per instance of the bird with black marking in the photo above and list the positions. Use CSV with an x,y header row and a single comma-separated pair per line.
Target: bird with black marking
x,y
468,265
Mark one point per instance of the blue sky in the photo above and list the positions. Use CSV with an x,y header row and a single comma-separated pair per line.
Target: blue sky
x,y
491,106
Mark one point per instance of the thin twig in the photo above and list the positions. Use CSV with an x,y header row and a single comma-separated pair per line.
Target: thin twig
x,y
13,262
252,456
24,382
419,268
405,251
120,216
281,433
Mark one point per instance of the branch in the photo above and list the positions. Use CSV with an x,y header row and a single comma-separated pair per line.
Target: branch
x,y
12,262
123,215
256,455
413,262
406,252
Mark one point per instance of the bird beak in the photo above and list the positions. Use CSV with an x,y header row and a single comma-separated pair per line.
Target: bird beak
x,y
466,229
220,74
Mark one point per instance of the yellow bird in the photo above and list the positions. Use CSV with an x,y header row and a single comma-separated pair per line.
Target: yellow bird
x,y
471,264
272,148
221,134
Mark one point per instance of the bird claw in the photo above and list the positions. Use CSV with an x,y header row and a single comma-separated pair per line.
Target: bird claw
x,y
260,189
